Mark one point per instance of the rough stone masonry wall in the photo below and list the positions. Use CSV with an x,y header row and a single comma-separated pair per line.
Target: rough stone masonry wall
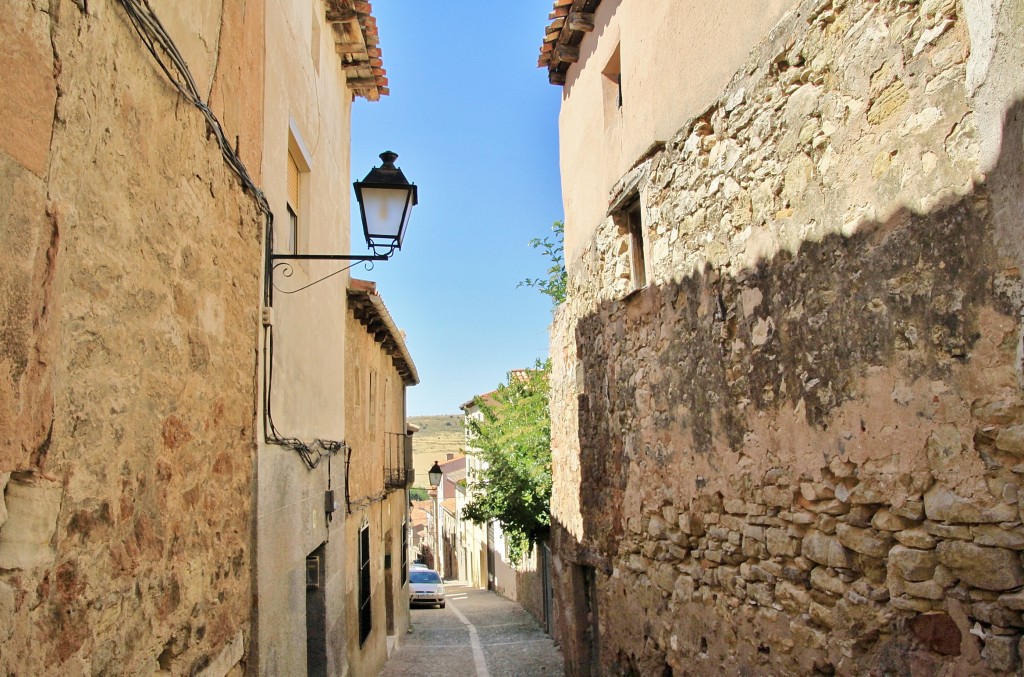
x,y
798,450
128,323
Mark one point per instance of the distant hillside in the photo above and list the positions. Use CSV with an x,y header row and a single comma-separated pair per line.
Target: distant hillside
x,y
439,437
432,426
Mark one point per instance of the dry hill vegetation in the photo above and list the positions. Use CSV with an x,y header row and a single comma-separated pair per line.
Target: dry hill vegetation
x,y
438,436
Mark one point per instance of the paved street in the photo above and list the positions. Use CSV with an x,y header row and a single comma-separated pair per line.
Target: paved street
x,y
478,634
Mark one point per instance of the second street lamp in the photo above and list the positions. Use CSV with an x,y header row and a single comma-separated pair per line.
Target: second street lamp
x,y
435,474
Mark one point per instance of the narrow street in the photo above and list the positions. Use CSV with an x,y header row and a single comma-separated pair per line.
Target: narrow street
x,y
478,634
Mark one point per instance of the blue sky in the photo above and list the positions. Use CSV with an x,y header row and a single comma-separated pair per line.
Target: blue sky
x,y
475,125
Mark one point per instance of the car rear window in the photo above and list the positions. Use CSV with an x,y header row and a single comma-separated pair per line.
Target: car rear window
x,y
424,577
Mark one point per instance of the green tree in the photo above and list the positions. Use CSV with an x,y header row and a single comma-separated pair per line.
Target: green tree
x,y
554,285
514,441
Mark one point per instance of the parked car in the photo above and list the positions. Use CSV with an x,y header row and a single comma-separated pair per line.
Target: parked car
x,y
425,587
418,566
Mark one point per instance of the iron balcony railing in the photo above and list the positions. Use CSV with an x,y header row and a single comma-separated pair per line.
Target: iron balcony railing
x,y
398,470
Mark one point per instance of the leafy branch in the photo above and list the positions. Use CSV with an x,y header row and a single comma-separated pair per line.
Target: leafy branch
x,y
554,285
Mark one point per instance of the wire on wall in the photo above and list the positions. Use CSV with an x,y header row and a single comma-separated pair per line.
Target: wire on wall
x,y
160,45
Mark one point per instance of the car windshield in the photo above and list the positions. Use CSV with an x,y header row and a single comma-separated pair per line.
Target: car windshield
x,y
424,577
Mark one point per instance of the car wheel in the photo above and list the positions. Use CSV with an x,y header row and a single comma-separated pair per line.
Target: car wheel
x,y
441,605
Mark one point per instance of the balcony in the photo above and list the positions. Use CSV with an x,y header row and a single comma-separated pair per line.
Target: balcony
x,y
398,470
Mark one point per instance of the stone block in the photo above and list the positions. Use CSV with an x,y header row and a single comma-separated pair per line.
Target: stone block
x,y
999,536
943,505
33,504
886,520
752,548
637,564
824,549
911,564
999,412
754,532
982,567
832,507
778,497
908,603
864,541
794,598
1013,600
656,528
1000,654
859,516
1011,440
780,544
732,523
938,632
916,538
944,450
825,523
823,615
691,524
670,514
924,590
817,491
912,510
953,532
735,506
823,580
994,613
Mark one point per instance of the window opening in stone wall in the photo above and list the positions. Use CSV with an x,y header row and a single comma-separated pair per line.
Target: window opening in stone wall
x,y
636,246
365,609
630,223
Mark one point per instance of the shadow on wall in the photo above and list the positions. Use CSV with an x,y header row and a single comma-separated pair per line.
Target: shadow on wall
x,y
679,379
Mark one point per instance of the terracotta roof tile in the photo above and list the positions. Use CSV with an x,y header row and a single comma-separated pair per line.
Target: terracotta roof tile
x,y
356,39
570,21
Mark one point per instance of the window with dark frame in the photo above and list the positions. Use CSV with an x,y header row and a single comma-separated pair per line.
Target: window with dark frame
x,y
365,608
638,261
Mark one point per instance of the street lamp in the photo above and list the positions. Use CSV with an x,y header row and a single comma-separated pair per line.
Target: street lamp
x,y
434,475
386,199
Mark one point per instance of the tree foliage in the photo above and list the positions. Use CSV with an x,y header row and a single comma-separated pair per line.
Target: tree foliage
x,y
554,285
514,441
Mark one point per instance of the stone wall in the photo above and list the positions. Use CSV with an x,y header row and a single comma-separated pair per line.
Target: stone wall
x,y
799,445
128,334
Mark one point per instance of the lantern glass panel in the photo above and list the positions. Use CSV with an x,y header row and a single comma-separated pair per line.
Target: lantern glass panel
x,y
385,211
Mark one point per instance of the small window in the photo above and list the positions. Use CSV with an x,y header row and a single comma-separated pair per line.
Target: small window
x,y
637,260
298,162
365,607
612,88
291,235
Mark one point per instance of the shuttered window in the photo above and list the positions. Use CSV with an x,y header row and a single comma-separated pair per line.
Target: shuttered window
x,y
293,183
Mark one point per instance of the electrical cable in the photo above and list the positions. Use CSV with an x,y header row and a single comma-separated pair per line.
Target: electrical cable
x,y
160,45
